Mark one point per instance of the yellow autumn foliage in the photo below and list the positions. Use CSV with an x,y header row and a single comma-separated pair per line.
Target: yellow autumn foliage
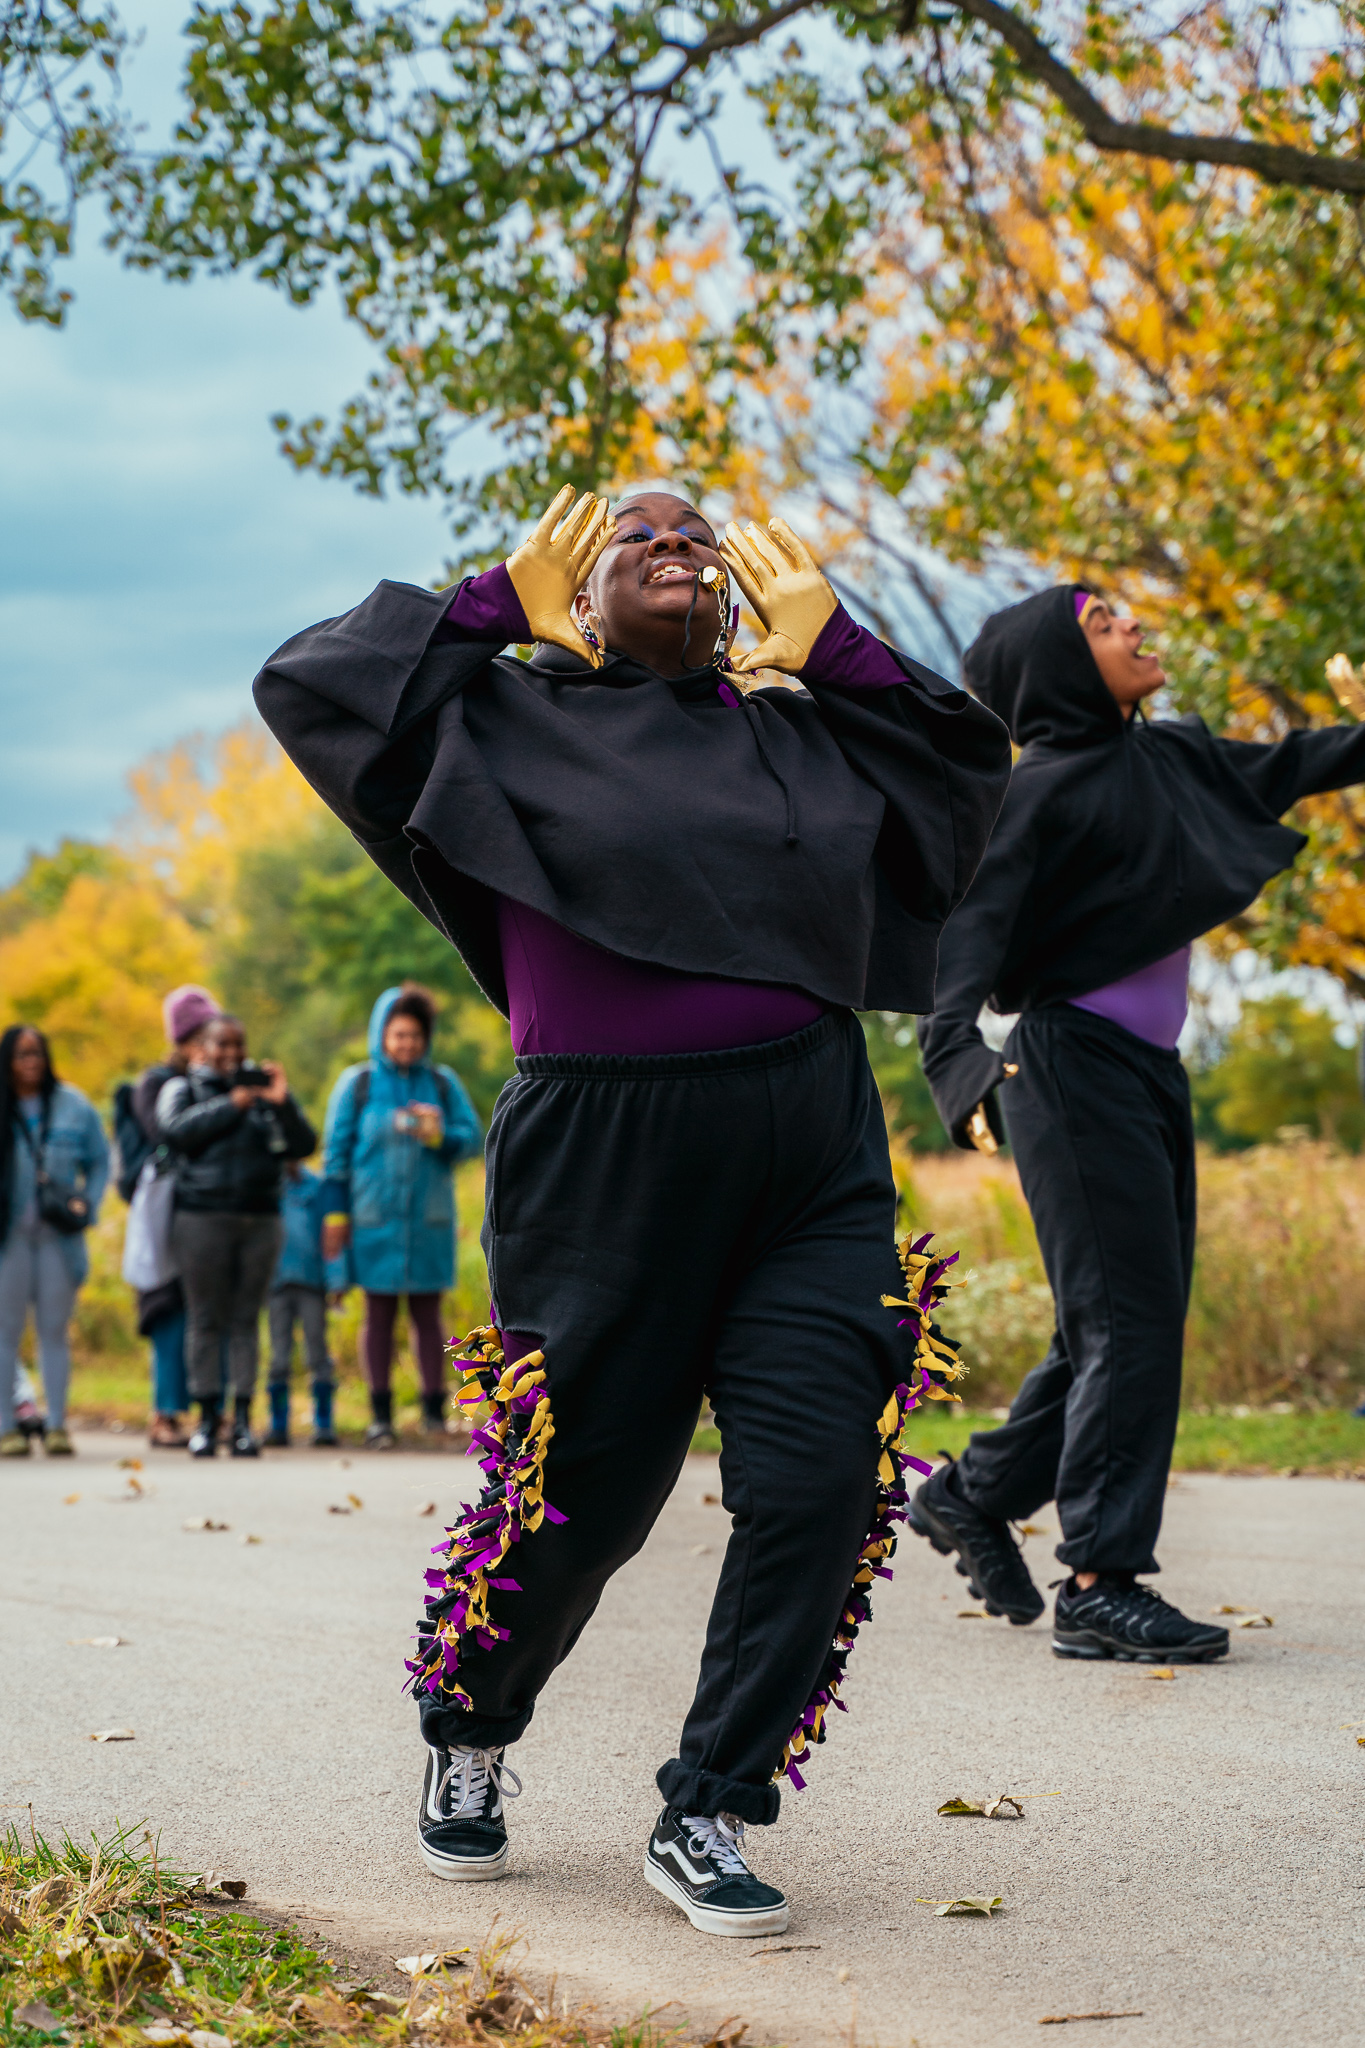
x,y
93,973
200,805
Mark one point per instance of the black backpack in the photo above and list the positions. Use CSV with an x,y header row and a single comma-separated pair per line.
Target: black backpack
x,y
135,1148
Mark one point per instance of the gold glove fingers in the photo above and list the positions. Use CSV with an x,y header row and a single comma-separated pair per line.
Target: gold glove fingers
x,y
778,575
551,566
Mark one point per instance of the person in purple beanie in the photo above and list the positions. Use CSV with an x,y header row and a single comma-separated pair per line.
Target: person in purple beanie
x,y
1121,841
185,1012
678,887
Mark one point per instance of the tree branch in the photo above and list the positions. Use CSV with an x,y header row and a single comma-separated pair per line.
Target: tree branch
x,y
1276,163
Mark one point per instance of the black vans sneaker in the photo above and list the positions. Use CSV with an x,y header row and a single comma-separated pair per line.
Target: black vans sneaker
x,y
460,1823
698,1863
987,1554
1118,1618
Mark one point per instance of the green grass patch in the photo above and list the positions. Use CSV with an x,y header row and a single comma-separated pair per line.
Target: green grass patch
x,y
1225,1440
1330,1441
109,1947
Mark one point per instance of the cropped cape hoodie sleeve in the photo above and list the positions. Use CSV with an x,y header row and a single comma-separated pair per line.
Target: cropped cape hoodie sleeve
x,y
1118,842
813,838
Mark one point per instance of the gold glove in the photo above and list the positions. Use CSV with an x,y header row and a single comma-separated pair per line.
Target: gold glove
x,y
980,1132
550,568
777,574
1347,687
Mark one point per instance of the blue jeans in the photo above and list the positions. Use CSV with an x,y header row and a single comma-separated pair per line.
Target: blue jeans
x,y
170,1388
35,1274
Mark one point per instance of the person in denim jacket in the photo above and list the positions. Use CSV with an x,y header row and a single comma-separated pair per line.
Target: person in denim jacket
x,y
396,1126
46,1129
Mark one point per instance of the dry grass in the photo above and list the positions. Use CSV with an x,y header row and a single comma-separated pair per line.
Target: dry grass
x,y
1278,1312
1278,1309
109,1947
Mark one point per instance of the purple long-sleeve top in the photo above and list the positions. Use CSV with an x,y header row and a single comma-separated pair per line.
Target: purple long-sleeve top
x,y
567,995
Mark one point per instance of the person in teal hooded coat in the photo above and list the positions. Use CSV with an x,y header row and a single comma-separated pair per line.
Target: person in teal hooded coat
x,y
397,1124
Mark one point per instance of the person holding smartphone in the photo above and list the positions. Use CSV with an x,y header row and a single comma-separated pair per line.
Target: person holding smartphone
x,y
232,1126
396,1127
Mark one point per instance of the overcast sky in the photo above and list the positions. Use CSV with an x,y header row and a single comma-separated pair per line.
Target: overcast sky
x,y
154,547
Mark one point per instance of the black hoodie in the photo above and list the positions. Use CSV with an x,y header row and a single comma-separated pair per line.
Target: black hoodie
x,y
1119,840
817,841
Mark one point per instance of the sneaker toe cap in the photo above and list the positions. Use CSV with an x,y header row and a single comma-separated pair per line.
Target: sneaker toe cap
x,y
744,1895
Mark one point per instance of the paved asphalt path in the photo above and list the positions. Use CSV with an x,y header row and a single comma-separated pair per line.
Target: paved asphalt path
x,y
1201,1860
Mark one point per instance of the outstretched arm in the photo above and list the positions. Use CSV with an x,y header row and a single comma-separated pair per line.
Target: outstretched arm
x,y
1304,763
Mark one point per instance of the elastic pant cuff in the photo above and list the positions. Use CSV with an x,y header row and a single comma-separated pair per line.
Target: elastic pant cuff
x,y
1078,1557
707,1792
447,1725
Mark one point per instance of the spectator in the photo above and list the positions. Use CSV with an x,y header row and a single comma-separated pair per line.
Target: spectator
x,y
395,1128
299,1295
232,1126
161,1310
54,1164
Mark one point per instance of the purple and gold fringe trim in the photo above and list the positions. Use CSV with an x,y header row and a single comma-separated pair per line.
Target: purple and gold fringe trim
x,y
513,1440
936,1360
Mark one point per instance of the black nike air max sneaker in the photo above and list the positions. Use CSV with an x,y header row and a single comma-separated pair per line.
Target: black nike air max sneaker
x,y
987,1555
460,1822
1116,1617
697,1861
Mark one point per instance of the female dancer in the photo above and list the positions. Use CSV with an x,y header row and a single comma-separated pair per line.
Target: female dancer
x,y
679,893
1120,842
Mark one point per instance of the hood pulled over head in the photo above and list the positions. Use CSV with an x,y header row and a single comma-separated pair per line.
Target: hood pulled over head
x,y
1031,665
379,1017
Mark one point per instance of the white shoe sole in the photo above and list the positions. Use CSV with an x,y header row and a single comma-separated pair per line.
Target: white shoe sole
x,y
707,1920
465,1869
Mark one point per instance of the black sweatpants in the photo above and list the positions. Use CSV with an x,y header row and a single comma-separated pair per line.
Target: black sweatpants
x,y
226,1263
1099,1122
668,1226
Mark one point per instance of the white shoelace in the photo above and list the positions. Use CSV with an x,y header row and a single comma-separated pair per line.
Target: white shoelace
x,y
719,1838
470,1771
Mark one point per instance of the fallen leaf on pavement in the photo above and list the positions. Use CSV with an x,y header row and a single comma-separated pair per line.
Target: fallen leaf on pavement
x,y
41,2017
235,1887
1033,1529
1059,2019
427,1508
1360,1742
974,1614
114,1735
990,1809
1255,1621
1225,1609
69,1499
710,1500
250,1539
1157,1671
355,1500
728,2034
98,1642
197,1522
701,1550
130,1464
942,1907
418,1966
135,1487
